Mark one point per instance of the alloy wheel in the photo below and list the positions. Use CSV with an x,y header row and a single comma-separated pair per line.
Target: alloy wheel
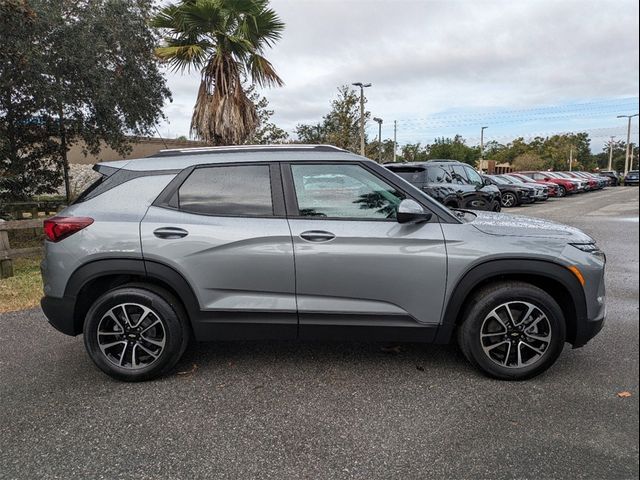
x,y
515,334
508,200
131,336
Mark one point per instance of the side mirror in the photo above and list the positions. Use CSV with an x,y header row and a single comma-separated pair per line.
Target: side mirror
x,y
487,182
410,211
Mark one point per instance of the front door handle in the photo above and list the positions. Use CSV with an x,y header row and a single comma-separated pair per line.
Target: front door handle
x,y
170,232
317,236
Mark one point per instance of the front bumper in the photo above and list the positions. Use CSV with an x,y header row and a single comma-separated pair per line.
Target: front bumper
x,y
586,330
631,181
59,312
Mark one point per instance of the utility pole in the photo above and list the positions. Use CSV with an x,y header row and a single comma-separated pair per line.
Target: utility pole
x,y
379,122
626,157
481,147
362,87
611,151
395,139
571,158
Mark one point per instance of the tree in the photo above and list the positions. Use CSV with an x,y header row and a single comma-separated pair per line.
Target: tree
x,y
530,161
341,126
453,149
92,78
225,40
267,131
28,151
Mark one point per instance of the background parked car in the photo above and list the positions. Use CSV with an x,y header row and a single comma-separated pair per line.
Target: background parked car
x,y
631,178
613,175
581,185
512,195
540,192
565,186
454,184
592,183
552,188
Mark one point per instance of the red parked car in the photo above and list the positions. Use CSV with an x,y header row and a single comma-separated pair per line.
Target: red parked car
x,y
565,186
553,188
593,183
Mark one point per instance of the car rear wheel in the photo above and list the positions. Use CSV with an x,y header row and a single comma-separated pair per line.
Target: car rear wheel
x,y
509,200
512,331
136,333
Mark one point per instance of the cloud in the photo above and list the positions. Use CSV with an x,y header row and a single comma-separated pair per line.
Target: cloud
x,y
425,57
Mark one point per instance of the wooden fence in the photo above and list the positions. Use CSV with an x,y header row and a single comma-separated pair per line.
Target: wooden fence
x,y
7,254
20,210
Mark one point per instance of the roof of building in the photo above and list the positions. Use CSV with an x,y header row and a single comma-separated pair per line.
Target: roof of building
x,y
178,159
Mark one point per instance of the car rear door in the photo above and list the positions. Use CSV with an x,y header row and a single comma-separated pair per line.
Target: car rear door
x,y
357,268
223,228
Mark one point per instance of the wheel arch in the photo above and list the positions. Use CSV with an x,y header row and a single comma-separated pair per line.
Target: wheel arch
x,y
92,279
551,277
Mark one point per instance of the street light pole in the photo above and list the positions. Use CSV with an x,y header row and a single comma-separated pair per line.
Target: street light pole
x,y
395,141
626,157
611,151
362,87
379,122
482,146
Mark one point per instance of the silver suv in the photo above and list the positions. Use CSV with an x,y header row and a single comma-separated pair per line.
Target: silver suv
x,y
307,242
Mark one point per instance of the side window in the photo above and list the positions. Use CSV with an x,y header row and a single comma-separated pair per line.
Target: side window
x,y
414,176
227,190
343,191
438,175
459,175
473,176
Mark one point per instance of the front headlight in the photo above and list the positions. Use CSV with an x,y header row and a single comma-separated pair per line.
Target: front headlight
x,y
591,248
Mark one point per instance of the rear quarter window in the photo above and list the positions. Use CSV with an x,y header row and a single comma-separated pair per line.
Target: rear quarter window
x,y
236,190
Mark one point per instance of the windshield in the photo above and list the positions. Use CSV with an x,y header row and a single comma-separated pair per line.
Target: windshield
x,y
508,181
513,179
562,175
499,180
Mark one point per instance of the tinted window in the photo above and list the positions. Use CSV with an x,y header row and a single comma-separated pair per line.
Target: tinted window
x,y
437,175
343,191
231,190
473,176
414,176
459,175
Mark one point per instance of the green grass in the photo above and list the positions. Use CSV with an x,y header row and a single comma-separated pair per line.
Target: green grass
x,y
24,289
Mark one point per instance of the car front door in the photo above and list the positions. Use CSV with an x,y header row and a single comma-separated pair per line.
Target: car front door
x,y
223,228
356,266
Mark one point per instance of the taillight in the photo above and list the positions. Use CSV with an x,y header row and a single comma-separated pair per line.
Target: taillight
x,y
57,228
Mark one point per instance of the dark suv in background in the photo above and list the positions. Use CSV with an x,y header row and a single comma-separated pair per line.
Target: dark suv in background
x,y
454,184
512,195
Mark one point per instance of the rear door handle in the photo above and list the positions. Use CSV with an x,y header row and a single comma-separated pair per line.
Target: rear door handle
x,y
317,236
170,232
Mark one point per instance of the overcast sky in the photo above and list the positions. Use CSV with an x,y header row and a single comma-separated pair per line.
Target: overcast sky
x,y
442,67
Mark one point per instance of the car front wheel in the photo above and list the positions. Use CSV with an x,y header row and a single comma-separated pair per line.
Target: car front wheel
x,y
509,200
561,191
512,331
136,333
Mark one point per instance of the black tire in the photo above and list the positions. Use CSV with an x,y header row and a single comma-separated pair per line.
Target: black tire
x,y
496,207
164,307
509,200
492,298
452,205
562,192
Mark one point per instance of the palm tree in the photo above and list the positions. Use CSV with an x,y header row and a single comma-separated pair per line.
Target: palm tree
x,y
225,40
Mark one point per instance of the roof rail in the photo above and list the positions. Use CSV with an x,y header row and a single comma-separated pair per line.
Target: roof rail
x,y
246,148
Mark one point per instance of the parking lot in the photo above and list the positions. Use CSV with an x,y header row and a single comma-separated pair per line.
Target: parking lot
x,y
336,410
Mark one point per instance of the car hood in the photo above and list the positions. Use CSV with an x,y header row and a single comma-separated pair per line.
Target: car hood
x,y
520,226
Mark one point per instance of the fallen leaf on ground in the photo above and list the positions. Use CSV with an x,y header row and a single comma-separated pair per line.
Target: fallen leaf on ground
x,y
194,367
624,394
420,368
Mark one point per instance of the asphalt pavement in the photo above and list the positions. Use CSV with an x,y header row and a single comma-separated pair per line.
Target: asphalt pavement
x,y
294,410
